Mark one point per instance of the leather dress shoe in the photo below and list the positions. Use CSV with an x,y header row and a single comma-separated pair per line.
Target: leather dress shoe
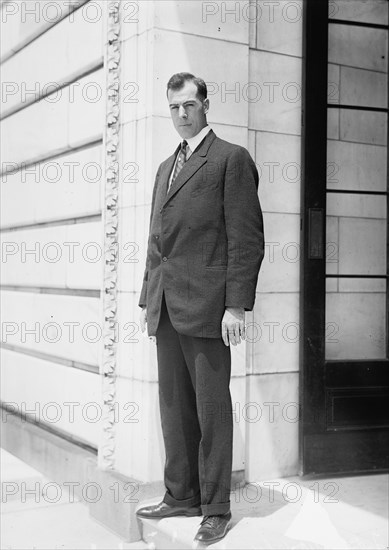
x,y
163,510
213,528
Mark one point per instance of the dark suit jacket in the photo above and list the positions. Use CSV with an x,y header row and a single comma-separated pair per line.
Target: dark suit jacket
x,y
206,240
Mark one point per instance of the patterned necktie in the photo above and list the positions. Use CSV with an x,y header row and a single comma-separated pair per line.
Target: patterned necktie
x,y
180,162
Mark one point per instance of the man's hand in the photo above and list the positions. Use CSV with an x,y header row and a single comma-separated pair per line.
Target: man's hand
x,y
233,327
143,319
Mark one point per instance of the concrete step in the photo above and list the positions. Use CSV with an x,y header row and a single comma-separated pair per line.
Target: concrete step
x,y
245,534
257,523
290,513
170,533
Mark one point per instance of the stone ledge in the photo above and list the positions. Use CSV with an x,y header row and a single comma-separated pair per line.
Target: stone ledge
x,y
111,498
121,496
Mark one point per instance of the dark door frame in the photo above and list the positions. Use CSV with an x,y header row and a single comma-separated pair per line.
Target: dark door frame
x,y
323,449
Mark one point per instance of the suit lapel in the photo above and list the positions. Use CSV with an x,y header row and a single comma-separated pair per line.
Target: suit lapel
x,y
168,169
164,177
196,160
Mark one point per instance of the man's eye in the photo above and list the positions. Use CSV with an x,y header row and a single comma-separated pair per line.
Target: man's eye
x,y
174,108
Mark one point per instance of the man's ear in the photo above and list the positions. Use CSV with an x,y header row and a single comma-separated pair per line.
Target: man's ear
x,y
206,105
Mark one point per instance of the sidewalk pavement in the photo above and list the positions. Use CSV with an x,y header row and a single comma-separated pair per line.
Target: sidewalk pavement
x,y
49,521
321,513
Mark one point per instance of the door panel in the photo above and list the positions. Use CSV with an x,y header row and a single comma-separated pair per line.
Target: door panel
x,y
344,279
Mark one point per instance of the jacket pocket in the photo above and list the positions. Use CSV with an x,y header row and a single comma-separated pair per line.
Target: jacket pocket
x,y
204,188
217,267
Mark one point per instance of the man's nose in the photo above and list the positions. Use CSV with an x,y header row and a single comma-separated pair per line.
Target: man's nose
x,y
181,112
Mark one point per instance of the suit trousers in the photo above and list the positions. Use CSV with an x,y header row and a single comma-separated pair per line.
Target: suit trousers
x,y
196,416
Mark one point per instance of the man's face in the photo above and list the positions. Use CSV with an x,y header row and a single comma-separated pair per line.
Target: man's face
x,y
188,112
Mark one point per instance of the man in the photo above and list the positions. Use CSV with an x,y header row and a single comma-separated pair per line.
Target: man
x,y
204,253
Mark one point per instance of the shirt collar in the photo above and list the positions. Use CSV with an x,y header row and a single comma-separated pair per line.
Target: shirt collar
x,y
195,141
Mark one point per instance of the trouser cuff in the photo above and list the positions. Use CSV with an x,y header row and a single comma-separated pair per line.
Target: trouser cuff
x,y
215,509
186,503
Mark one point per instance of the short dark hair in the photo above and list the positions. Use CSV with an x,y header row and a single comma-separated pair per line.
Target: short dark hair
x,y
177,81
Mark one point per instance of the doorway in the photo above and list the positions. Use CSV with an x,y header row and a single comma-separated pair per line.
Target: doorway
x,y
344,384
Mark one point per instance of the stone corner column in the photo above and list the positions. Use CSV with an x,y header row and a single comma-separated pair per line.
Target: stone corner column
x,y
118,476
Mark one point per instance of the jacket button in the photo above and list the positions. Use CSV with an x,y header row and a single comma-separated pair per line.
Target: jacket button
x,y
157,236
160,210
164,259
